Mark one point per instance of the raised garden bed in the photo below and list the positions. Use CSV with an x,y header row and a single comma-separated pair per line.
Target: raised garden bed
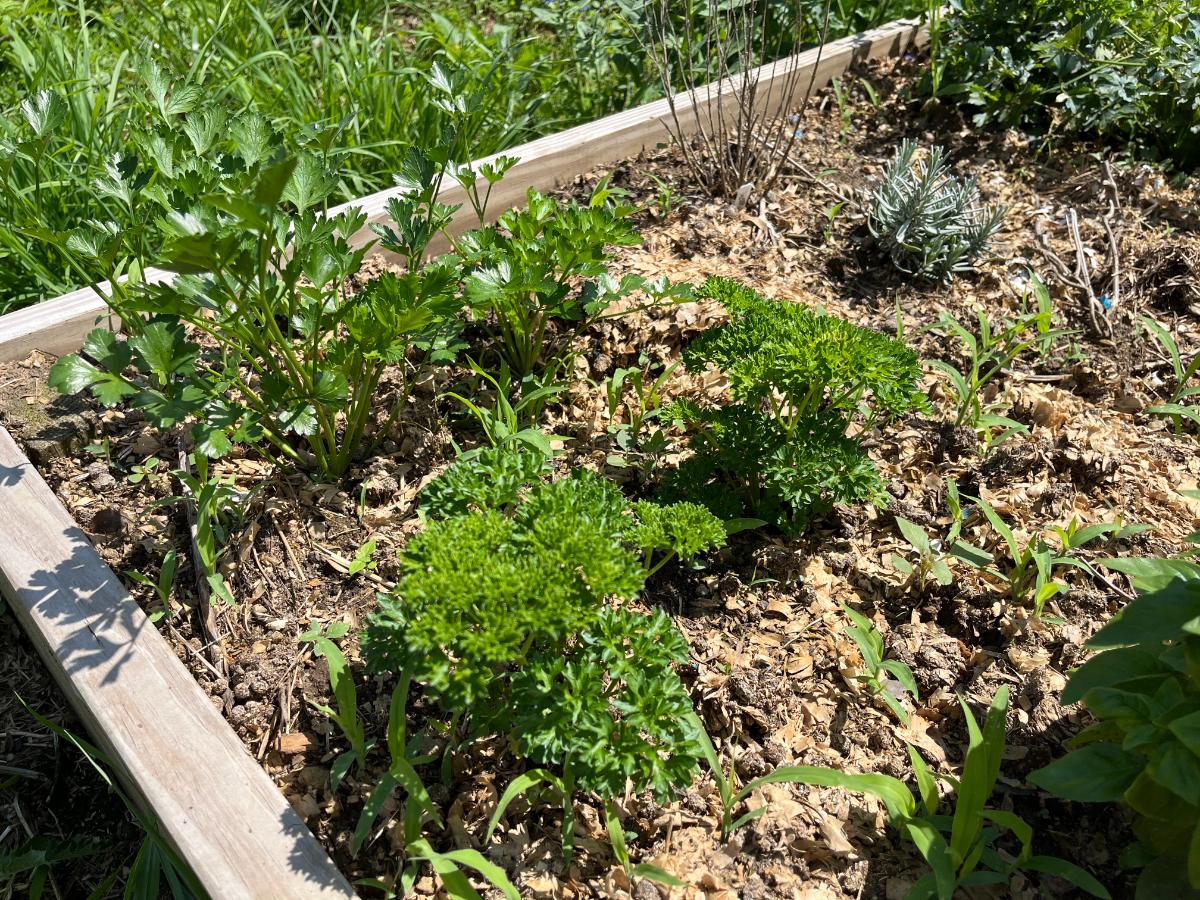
x,y
215,804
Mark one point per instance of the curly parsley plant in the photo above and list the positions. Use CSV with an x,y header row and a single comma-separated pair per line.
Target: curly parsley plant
x,y
780,452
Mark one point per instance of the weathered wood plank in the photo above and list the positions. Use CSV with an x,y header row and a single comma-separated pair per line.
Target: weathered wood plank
x,y
175,753
58,326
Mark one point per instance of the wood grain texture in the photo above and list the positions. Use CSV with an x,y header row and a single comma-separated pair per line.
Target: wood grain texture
x,y
59,326
174,752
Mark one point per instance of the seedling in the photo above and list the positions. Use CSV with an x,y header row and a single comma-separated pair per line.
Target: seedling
x,y
1028,574
928,551
148,469
1180,405
831,215
876,669
345,695
447,866
162,587
616,837
958,848
506,423
215,502
635,398
364,559
988,355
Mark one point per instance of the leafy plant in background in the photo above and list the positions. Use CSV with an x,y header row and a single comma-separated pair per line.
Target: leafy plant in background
x,y
879,674
500,613
540,277
811,373
1143,750
959,848
1177,408
1129,71
988,355
927,220
360,91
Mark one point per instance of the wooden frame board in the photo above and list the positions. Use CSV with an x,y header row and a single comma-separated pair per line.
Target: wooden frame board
x,y
172,750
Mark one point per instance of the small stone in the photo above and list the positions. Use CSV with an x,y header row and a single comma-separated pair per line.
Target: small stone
x,y
294,742
108,521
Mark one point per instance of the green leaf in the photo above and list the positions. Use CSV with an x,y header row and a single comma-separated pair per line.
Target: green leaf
x,y
971,554
515,789
895,795
493,873
1187,729
932,847
1160,615
980,770
403,772
268,190
1099,772
1178,770
44,111
163,349
1110,669
653,873
914,534
926,784
1068,871
903,674
370,812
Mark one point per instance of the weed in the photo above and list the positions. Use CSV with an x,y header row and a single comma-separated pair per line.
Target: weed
x,y
162,587
1177,408
635,398
880,674
154,863
988,355
930,553
959,848
1028,575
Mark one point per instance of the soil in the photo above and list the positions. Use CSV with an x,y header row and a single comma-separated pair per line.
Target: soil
x,y
773,670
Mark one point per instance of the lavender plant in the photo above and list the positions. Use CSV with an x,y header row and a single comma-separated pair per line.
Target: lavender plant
x,y
928,221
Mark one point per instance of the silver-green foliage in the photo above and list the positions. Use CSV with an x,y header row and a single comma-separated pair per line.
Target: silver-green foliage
x,y
928,221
